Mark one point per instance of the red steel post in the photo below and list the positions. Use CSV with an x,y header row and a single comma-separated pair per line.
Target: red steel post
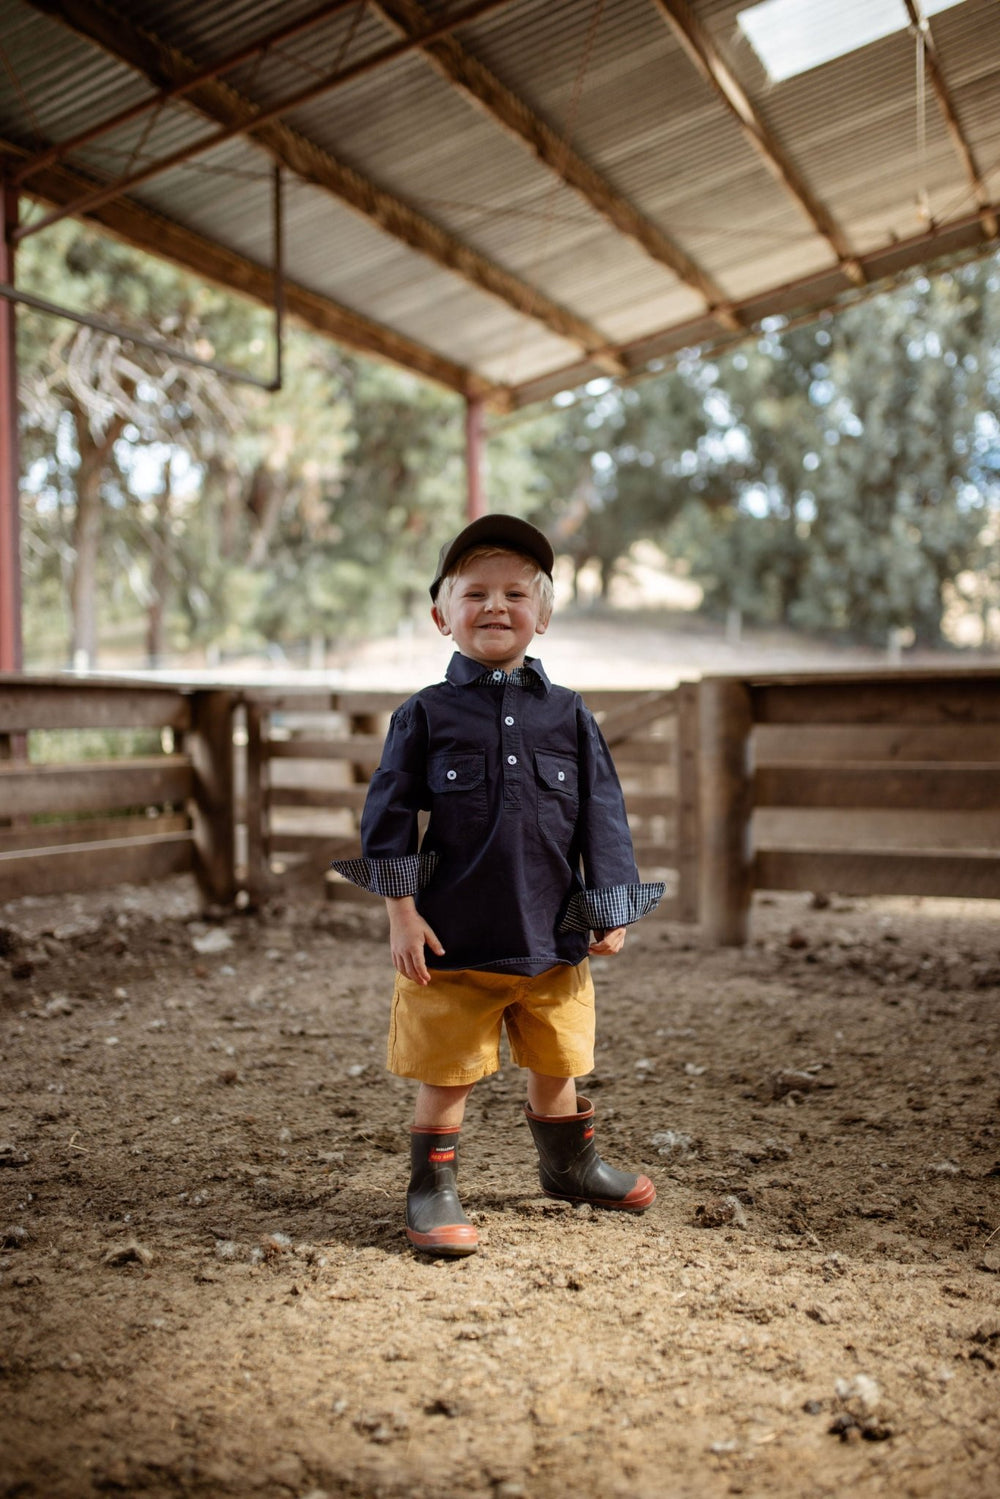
x,y
10,477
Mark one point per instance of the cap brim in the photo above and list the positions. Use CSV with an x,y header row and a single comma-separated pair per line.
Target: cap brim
x,y
507,531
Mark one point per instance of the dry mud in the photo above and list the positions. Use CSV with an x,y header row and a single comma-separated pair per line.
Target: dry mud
x,y
205,1289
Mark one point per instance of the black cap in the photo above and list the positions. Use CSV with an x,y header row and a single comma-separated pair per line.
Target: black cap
x,y
506,531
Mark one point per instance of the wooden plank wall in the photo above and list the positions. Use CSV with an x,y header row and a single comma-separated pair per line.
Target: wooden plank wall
x,y
310,757
887,784
87,823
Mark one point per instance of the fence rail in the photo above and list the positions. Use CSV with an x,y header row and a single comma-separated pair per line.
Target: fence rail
x,y
887,784
82,823
861,784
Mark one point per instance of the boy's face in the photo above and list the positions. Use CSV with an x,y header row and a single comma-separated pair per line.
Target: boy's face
x,y
493,610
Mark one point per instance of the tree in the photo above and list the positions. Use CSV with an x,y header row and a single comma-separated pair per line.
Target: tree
x,y
91,402
864,485
617,464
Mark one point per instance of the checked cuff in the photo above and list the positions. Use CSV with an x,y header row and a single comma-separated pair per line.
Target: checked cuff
x,y
393,877
615,905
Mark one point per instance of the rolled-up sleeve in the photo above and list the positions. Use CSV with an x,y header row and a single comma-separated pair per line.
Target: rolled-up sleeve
x,y
390,863
613,894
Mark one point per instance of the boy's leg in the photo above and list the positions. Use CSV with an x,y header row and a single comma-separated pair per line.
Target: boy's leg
x,y
551,1095
568,1164
435,1221
440,1108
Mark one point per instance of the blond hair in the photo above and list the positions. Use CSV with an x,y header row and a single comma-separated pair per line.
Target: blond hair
x,y
540,579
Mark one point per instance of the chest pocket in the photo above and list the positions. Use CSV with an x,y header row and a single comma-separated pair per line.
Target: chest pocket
x,y
558,795
457,785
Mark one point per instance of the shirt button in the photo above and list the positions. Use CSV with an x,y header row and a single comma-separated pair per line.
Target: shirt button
x,y
511,759
562,775
508,720
453,775
498,676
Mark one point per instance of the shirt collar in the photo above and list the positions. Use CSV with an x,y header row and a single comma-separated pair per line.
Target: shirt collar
x,y
463,671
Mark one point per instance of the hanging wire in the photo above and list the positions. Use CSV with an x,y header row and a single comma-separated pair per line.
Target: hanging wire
x,y
923,197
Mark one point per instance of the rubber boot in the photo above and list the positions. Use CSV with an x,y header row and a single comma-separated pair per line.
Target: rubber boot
x,y
435,1222
569,1166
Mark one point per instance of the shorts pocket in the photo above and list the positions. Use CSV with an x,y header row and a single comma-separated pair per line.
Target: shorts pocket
x,y
558,795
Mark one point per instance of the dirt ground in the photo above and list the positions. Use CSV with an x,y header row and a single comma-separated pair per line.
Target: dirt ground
x,y
205,1288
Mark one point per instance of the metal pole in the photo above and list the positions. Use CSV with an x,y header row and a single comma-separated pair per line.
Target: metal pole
x,y
11,656
475,501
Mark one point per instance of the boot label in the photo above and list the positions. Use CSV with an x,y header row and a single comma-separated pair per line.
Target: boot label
x,y
441,1153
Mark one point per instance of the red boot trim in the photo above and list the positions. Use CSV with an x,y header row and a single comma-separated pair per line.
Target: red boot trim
x,y
641,1197
448,1239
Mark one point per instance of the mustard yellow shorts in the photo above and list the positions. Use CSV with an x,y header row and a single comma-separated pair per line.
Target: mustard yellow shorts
x,y
447,1033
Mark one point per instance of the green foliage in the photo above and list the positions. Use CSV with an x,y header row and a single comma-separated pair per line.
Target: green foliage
x,y
869,478
842,477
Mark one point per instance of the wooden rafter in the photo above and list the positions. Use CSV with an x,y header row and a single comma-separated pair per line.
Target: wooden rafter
x,y
60,150
796,301
939,83
705,55
162,64
488,93
160,236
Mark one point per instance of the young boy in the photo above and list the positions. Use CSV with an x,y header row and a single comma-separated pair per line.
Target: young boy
x,y
489,917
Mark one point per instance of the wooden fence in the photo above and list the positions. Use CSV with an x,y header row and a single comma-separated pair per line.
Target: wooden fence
x,y
864,784
162,804
309,759
881,784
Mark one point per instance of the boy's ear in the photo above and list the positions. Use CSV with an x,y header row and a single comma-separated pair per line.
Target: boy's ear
x,y
440,620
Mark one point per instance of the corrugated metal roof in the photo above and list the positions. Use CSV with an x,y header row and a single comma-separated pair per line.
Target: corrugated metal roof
x,y
560,189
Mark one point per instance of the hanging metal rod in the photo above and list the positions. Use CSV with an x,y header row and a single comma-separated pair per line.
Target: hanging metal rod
x,y
176,351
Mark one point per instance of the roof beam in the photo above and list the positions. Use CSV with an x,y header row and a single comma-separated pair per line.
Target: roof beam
x,y
932,62
703,53
162,237
163,65
487,93
804,300
61,149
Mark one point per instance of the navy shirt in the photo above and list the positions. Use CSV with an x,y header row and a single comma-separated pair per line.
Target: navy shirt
x,y
528,847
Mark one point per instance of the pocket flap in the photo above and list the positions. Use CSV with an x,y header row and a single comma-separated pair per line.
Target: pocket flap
x,y
558,772
456,772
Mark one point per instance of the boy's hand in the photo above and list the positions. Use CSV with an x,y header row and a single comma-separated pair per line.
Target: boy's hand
x,y
408,935
605,944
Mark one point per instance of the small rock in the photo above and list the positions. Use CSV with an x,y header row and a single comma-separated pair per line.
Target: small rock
x,y
129,1253
791,1080
720,1211
216,939
672,1144
862,1393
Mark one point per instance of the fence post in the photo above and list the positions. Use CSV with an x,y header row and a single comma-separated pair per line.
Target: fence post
x,y
726,877
210,743
687,802
258,876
